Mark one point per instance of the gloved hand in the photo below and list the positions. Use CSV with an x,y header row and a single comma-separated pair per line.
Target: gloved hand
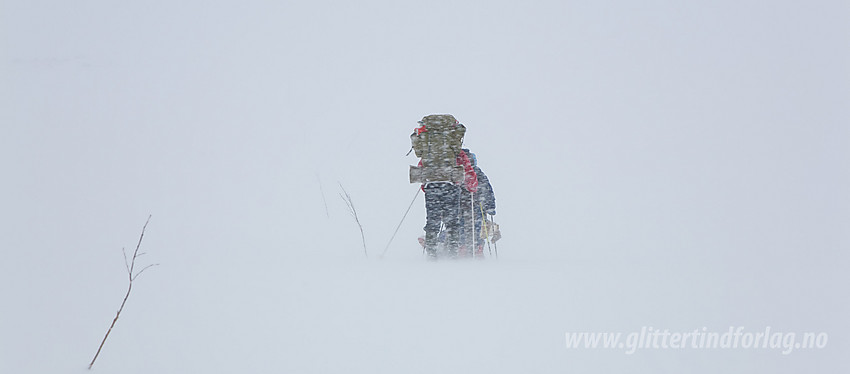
x,y
497,234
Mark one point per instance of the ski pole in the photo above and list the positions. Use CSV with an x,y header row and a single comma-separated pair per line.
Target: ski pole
x,y
495,245
472,222
402,221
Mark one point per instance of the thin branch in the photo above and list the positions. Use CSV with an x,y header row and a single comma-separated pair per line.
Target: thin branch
x,y
130,267
139,244
322,191
350,204
143,269
126,264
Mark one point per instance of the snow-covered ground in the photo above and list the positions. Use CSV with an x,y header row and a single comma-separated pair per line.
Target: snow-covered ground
x,y
678,167
267,313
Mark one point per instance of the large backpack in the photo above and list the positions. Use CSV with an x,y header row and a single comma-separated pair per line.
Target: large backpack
x,y
438,143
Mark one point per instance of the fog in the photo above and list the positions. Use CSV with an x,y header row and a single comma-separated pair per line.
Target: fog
x,y
665,164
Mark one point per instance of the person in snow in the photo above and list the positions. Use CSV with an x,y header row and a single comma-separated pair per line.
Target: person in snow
x,y
476,206
443,171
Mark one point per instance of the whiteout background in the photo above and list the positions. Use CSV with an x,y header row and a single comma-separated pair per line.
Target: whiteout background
x,y
662,163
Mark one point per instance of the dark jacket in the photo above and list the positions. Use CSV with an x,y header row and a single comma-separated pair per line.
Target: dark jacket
x,y
485,195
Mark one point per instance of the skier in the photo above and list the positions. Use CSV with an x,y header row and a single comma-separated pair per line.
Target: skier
x,y
443,171
476,206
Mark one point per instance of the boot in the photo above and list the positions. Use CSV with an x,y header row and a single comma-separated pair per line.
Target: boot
x,y
431,245
453,243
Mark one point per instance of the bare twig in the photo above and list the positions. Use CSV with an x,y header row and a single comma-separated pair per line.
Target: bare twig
x,y
131,265
126,263
322,191
143,269
350,204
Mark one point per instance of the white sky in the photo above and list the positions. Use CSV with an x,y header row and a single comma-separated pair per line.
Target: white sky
x,y
695,134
